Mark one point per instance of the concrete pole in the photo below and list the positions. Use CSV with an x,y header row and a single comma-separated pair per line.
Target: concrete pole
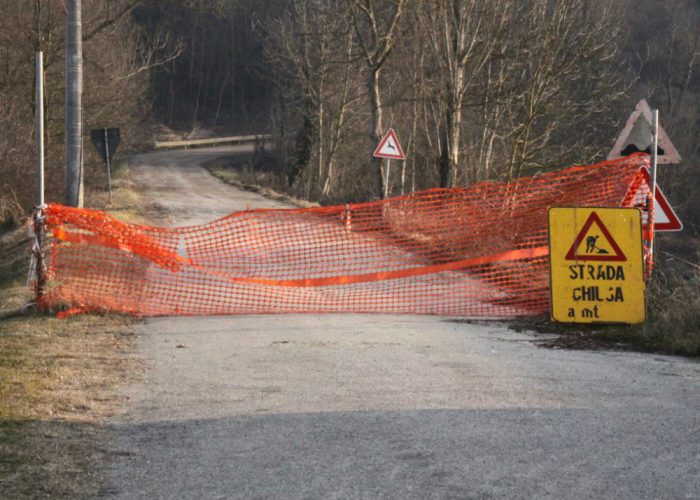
x,y
74,91
39,199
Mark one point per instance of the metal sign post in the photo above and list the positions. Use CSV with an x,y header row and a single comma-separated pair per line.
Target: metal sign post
x,y
389,148
106,142
109,171
39,200
386,178
38,218
652,187
644,133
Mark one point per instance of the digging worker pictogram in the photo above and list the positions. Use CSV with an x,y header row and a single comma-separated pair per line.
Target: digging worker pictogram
x,y
591,246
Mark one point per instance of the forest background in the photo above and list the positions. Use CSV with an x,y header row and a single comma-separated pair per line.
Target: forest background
x,y
476,89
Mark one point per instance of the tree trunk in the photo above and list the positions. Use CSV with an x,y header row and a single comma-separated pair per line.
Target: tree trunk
x,y
449,158
453,145
220,97
319,150
376,129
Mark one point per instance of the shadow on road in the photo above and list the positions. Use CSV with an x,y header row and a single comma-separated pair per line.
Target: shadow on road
x,y
520,453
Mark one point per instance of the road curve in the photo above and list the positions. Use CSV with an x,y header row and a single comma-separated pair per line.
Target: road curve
x,y
368,406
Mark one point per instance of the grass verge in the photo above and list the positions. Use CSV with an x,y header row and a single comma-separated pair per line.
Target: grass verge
x,y
248,179
58,378
672,325
57,381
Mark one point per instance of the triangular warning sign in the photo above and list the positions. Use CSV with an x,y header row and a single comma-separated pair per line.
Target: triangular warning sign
x,y
665,218
594,242
637,136
389,147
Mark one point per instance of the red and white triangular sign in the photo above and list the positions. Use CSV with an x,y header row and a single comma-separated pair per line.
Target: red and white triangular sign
x,y
637,136
594,242
389,147
665,218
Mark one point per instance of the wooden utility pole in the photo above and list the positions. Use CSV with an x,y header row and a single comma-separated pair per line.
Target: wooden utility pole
x,y
74,108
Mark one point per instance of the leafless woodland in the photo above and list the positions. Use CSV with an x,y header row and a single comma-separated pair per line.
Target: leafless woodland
x,y
476,89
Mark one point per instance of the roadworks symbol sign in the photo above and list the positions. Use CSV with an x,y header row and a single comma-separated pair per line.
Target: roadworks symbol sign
x,y
595,243
596,265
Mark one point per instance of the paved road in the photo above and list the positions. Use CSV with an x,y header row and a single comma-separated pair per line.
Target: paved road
x,y
371,406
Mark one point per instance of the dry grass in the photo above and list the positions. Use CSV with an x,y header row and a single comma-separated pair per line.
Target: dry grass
x,y
126,202
11,213
58,379
15,248
672,325
62,369
255,181
673,322
50,459
57,386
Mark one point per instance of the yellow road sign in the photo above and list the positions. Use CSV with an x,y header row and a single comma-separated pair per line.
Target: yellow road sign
x,y
597,272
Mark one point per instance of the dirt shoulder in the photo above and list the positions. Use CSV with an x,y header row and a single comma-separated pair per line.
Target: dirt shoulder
x,y
59,378
233,170
57,387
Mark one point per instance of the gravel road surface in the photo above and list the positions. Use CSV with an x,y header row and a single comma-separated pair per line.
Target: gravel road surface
x,y
378,406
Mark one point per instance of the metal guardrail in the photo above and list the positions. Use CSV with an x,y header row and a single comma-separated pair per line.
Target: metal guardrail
x,y
211,142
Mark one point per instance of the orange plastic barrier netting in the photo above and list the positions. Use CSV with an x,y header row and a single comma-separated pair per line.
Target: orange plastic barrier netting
x,y
480,251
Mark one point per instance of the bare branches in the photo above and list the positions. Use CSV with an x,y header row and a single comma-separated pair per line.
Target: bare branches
x,y
104,18
151,51
375,43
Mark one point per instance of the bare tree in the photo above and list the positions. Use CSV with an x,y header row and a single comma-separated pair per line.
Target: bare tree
x,y
117,66
376,30
563,80
464,36
311,45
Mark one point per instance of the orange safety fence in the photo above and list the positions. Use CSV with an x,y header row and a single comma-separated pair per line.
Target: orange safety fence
x,y
480,251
